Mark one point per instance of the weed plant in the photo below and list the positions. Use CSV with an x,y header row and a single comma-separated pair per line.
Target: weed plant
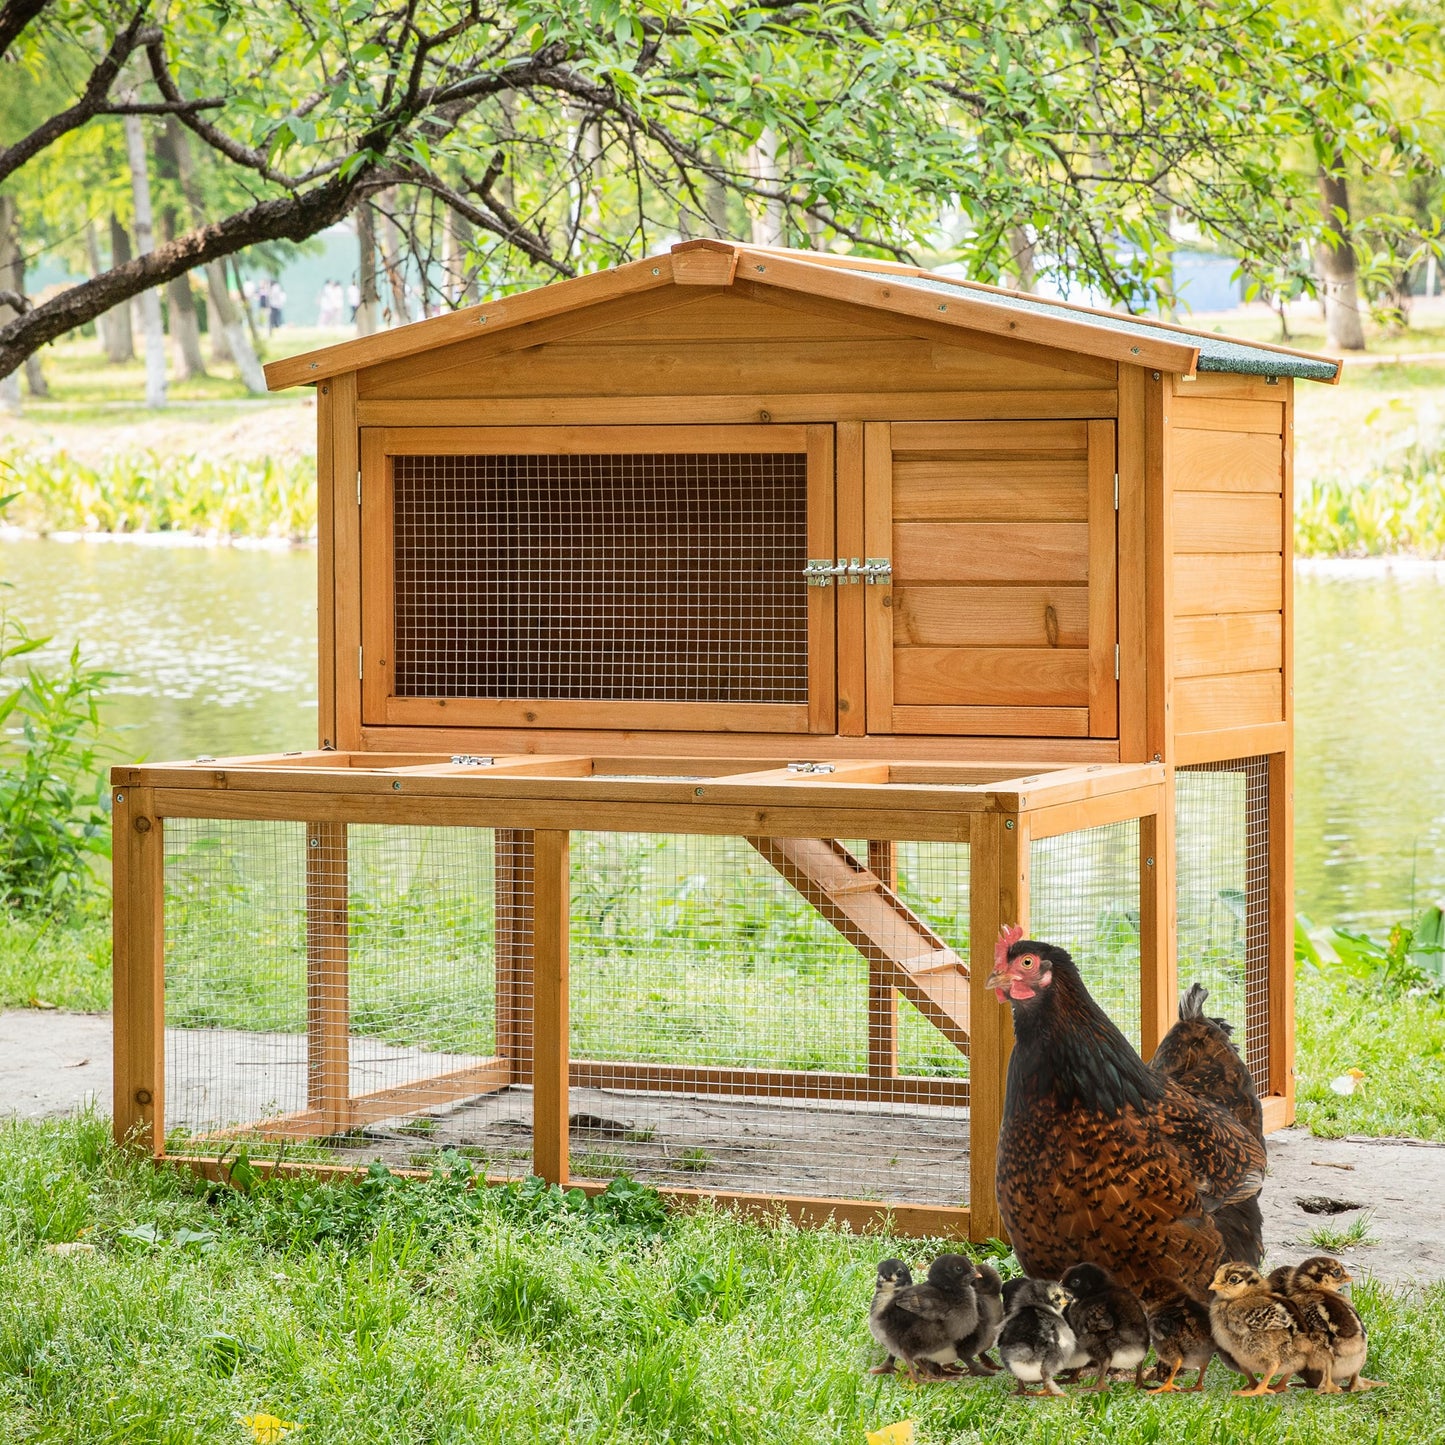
x,y
1397,507
434,1311
151,492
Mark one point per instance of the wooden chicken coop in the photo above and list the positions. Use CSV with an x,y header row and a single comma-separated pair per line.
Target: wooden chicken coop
x,y
714,653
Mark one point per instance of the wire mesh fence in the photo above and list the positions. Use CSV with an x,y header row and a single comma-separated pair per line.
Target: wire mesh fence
x,y
1084,896
1222,852
653,577
363,992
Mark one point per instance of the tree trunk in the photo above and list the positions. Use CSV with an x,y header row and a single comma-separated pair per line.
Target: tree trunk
x,y
770,220
461,279
1021,258
184,324
120,344
368,308
392,260
9,281
145,242
1344,324
104,325
229,341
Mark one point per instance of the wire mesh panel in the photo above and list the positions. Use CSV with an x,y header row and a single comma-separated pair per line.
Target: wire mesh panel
x,y
602,577
721,1029
336,984
1221,825
1084,896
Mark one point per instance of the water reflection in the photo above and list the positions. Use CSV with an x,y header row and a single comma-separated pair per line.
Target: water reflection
x,y
217,649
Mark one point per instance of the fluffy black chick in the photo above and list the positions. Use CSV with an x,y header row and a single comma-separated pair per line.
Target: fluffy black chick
x,y
893,1275
973,1348
1109,1324
1035,1342
1331,1321
1179,1330
923,1323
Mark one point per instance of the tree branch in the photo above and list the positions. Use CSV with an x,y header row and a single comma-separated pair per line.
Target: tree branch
x,y
15,16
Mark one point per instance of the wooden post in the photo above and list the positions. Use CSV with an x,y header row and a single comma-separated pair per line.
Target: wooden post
x,y
1279,989
551,1013
328,992
512,874
138,873
882,996
998,895
1158,961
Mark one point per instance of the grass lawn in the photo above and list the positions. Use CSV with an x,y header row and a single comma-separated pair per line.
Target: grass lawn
x,y
404,1311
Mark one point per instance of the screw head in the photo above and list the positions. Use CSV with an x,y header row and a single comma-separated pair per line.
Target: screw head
x,y
313,842
1155,375
396,786
1148,862
657,270
697,792
120,797
1009,824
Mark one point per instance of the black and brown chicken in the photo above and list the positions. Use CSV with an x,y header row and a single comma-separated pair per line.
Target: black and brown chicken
x,y
922,1323
973,1348
1332,1322
1179,1330
1146,1169
893,1275
1109,1324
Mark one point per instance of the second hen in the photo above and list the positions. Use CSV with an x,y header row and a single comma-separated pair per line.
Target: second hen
x,y
1147,1170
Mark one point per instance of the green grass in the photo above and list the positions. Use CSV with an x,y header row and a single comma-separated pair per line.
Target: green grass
x,y
1337,1239
406,1311
48,964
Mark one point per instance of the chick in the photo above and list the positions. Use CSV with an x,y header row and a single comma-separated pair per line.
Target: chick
x,y
1178,1330
1108,1322
1035,1341
893,1275
973,1348
922,1323
1260,1329
1332,1322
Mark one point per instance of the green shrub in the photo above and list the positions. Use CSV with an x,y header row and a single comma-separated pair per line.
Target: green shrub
x,y
1397,507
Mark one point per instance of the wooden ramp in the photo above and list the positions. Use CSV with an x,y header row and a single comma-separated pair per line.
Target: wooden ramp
x,y
904,950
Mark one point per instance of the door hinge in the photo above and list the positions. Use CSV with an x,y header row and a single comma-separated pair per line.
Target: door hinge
x,y
360,670
1116,491
358,488
1116,662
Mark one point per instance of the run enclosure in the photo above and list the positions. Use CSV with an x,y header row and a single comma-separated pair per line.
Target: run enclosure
x,y
852,1068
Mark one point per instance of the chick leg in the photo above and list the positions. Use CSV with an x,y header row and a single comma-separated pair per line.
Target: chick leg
x,y
1262,1388
1102,1383
1359,1382
1050,1388
1169,1387
886,1368
1199,1383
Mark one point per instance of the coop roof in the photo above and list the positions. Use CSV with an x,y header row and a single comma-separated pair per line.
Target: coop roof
x,y
877,285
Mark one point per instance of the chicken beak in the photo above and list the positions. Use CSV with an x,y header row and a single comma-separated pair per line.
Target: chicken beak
x,y
1000,982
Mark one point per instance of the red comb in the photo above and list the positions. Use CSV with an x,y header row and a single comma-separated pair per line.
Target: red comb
x,y
1008,935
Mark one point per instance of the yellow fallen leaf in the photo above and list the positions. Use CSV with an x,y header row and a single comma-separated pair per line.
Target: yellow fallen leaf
x,y
73,1246
268,1429
900,1433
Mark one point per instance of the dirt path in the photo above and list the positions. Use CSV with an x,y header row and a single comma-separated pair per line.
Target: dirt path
x,y
52,1064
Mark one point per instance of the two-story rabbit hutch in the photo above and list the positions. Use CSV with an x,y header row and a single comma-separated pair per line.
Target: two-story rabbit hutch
x,y
714,653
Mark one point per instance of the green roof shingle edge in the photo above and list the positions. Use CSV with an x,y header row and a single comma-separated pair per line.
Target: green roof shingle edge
x,y
1216,353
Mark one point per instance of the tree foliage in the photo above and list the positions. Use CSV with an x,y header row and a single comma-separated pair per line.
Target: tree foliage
x,y
561,135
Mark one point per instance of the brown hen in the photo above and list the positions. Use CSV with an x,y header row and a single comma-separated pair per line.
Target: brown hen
x,y
1145,1170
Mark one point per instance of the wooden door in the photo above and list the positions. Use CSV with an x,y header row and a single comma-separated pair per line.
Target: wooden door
x,y
598,577
1001,617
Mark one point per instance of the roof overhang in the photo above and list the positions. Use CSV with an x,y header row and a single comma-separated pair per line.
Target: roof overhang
x,y
967,305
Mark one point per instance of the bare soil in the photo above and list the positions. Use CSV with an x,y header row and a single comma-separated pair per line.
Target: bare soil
x,y
52,1064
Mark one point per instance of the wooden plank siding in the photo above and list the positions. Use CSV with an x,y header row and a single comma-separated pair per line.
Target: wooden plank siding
x,y
1229,548
1002,613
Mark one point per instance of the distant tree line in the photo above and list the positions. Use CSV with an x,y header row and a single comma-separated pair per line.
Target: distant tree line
x,y
486,147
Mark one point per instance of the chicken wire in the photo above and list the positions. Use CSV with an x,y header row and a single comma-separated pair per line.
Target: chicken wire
x,y
1084,896
311,965
672,578
1221,827
692,954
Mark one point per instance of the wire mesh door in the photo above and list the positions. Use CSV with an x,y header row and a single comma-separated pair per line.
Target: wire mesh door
x,y
598,577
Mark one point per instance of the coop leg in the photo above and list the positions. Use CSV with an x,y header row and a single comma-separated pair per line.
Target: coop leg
x,y
882,995
1158,958
513,952
328,987
138,863
1275,1006
998,895
550,1006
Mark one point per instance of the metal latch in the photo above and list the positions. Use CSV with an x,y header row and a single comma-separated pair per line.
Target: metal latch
x,y
878,572
819,572
470,760
823,572
804,769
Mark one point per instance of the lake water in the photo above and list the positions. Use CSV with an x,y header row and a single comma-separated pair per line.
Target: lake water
x,y
216,648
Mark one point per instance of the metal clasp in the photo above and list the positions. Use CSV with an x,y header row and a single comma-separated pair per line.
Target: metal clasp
x,y
878,572
804,769
470,760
